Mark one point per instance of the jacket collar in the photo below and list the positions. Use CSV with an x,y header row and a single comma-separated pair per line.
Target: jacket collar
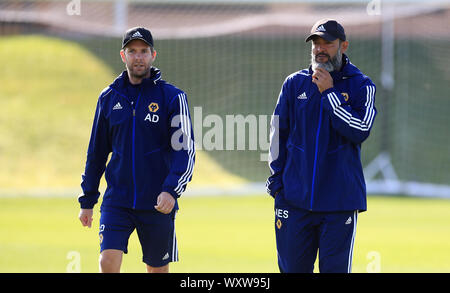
x,y
122,80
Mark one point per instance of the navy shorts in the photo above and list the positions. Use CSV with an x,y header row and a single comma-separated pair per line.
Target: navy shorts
x,y
156,232
300,234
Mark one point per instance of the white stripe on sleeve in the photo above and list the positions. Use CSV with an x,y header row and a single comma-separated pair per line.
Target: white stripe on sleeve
x,y
186,129
363,125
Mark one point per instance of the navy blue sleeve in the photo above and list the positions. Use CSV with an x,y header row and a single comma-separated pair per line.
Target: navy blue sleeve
x,y
182,149
279,133
97,155
353,119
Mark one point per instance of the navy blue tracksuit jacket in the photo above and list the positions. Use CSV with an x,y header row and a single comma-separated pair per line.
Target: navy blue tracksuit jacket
x,y
315,153
148,130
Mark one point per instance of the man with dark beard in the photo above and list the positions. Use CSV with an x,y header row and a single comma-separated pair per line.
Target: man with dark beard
x,y
145,123
322,116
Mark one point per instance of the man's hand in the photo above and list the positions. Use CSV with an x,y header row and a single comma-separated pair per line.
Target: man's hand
x,y
85,217
322,79
165,203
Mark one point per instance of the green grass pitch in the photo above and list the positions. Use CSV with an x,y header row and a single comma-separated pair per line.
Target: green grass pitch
x,y
222,234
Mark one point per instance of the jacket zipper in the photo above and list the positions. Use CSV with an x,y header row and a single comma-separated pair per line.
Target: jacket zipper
x,y
315,156
133,150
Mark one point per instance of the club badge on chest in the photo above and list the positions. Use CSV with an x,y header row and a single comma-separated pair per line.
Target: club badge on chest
x,y
152,117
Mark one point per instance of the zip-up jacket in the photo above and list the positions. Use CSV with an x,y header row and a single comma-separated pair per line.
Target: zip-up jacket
x,y
148,130
315,150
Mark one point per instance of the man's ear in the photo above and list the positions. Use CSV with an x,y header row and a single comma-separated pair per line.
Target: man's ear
x,y
122,55
344,46
153,55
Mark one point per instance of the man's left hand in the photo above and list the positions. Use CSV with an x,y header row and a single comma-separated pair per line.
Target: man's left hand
x,y
322,79
165,203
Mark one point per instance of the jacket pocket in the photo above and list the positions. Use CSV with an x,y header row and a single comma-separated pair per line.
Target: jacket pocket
x,y
295,159
291,145
153,175
113,173
118,181
335,149
295,173
339,169
152,151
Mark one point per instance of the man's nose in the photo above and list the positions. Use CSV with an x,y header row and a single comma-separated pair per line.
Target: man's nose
x,y
320,49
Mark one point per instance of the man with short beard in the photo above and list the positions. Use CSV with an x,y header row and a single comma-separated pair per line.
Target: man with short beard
x,y
145,123
322,116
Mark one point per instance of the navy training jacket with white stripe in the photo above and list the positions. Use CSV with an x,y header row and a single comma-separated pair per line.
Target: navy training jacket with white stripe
x,y
149,133
315,150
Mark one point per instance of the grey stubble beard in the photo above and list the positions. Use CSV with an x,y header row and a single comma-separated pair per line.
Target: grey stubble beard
x,y
332,64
